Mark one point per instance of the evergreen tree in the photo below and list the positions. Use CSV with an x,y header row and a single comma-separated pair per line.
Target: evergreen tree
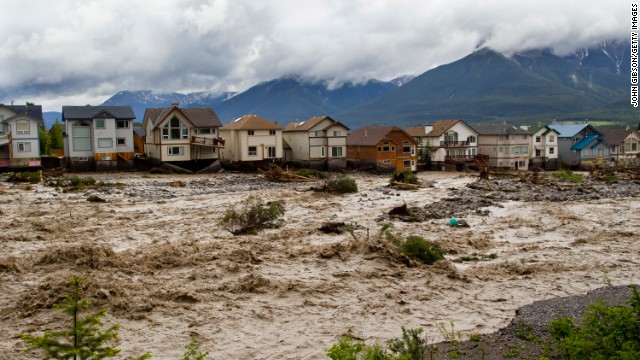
x,y
45,141
55,133
85,340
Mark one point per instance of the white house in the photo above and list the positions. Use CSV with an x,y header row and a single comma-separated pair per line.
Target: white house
x,y
181,134
544,147
446,142
98,137
19,135
251,138
318,142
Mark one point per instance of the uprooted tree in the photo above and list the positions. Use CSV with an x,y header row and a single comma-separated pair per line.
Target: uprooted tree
x,y
252,215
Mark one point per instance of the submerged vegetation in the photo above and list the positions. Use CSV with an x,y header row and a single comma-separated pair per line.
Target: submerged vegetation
x,y
253,215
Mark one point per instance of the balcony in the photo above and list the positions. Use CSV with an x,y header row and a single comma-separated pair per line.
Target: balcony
x,y
207,141
451,144
452,159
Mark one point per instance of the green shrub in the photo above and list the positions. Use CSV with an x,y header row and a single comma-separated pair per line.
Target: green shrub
x,y
568,175
253,215
607,332
419,249
406,177
27,176
313,173
411,346
95,199
342,185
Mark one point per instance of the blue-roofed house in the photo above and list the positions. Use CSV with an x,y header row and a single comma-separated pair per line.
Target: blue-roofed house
x,y
581,146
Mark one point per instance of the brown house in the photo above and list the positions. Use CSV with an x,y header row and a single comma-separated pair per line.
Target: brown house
x,y
386,147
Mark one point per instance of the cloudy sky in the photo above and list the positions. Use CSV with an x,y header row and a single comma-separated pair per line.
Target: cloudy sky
x,y
74,52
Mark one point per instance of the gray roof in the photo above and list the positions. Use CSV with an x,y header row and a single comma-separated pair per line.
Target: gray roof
x,y
89,112
35,111
500,129
568,130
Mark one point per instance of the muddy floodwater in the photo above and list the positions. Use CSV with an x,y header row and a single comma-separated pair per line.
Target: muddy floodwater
x,y
155,256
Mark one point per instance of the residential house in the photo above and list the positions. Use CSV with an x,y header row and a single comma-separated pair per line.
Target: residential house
x,y
625,145
320,142
251,138
504,146
581,146
98,137
386,147
544,147
446,142
19,135
177,134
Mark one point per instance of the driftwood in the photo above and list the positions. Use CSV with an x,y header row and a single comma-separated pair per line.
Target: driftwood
x,y
278,174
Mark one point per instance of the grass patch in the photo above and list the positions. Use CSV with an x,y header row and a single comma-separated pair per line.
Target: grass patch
x,y
568,175
312,173
417,248
95,199
27,176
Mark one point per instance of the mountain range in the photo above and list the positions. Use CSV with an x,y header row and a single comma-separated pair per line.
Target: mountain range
x,y
529,86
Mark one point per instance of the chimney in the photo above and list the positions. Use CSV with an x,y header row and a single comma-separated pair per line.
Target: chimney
x,y
365,134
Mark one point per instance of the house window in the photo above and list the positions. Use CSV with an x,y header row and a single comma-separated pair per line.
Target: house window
x,y
336,151
522,149
100,124
538,153
272,132
379,148
406,147
105,143
552,138
271,151
318,133
500,149
471,139
393,149
22,127
207,150
385,146
575,140
406,164
552,150
121,141
413,150
24,147
574,152
122,124
322,154
175,129
538,139
81,134
175,150
385,161
336,133
253,151
525,137
251,132
204,131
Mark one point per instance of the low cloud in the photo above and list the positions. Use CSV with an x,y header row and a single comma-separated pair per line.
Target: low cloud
x,y
66,50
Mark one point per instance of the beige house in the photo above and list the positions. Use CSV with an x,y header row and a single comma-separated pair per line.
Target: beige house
x,y
320,142
625,145
251,138
446,142
181,134
504,146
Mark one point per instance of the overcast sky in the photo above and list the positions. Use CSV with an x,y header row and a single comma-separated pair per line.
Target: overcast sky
x,y
76,52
